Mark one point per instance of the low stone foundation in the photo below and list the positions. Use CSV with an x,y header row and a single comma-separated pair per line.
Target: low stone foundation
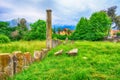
x,y
11,64
6,65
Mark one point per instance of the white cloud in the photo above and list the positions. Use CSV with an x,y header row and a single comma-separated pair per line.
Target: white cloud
x,y
64,11
3,3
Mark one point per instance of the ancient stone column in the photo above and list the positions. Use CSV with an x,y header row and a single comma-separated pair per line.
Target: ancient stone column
x,y
49,30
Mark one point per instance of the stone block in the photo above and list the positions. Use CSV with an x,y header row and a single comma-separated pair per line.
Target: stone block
x,y
28,58
58,52
2,76
55,43
44,52
73,52
37,55
6,64
19,61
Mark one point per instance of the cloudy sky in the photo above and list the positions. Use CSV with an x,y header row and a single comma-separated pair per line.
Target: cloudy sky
x,y
63,11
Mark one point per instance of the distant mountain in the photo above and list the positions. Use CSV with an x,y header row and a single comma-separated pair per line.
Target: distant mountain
x,y
71,27
14,22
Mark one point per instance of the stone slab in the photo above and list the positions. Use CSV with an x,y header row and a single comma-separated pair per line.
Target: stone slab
x,y
73,52
58,52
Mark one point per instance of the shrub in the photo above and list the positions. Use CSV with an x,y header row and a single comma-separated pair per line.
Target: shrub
x,y
118,33
30,36
16,35
4,39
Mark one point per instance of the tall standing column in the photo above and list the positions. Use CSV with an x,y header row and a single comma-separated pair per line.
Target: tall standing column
x,y
49,30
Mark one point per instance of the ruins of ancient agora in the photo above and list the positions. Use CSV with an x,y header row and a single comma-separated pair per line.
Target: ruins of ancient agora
x,y
12,63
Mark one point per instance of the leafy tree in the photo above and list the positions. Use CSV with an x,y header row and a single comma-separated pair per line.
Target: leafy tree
x,y
22,27
59,29
14,33
20,30
38,31
96,28
22,24
111,12
4,39
81,29
101,23
115,18
5,29
117,21
54,30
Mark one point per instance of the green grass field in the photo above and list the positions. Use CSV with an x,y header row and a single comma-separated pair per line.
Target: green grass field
x,y
95,61
24,46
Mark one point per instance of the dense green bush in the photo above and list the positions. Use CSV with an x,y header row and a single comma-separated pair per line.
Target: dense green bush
x,y
14,33
4,39
57,36
118,34
96,28
38,31
30,36
5,29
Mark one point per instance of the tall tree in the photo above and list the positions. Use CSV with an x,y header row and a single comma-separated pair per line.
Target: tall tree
x,y
54,30
117,21
4,28
20,30
38,31
22,24
96,28
115,18
111,12
59,29
81,29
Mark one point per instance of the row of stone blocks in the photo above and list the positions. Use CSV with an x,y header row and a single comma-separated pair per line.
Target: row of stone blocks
x,y
11,64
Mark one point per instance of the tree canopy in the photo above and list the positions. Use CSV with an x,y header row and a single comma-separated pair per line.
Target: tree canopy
x,y
112,13
5,29
38,31
94,28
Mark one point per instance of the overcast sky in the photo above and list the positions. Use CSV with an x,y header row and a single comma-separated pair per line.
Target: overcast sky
x,y
63,11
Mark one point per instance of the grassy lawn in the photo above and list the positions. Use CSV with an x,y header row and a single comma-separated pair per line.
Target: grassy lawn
x,y
24,46
95,61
